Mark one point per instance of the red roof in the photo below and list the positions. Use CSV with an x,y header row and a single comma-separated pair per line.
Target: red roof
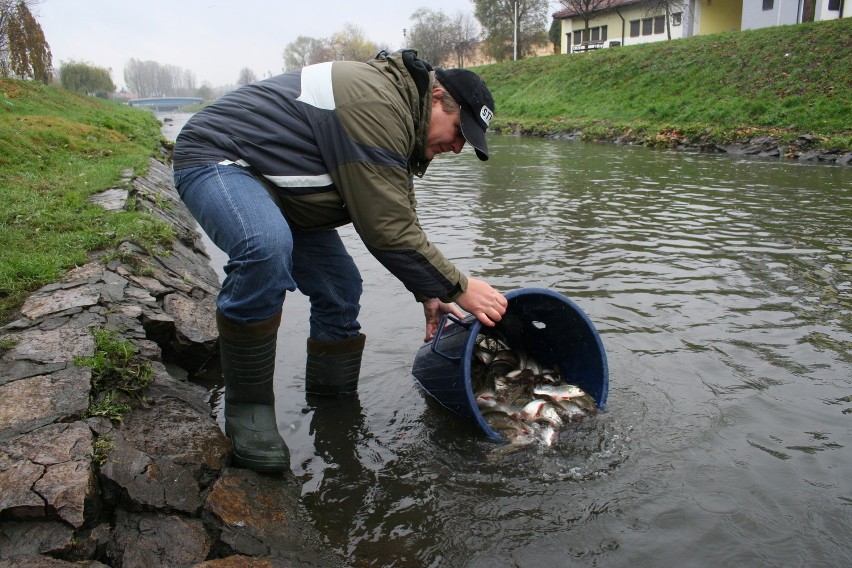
x,y
603,5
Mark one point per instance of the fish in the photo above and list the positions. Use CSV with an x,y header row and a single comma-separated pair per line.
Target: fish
x,y
523,401
559,392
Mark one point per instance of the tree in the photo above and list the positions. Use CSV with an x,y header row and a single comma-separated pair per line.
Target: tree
x,y
24,51
438,38
247,77
507,35
205,92
430,36
464,33
304,51
667,8
348,44
152,79
351,45
585,8
85,78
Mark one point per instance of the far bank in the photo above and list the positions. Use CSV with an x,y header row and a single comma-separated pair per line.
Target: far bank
x,y
790,85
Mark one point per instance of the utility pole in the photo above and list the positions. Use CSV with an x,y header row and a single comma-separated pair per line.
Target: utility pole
x,y
515,30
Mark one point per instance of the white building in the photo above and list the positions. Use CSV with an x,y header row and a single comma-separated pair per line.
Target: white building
x,y
631,22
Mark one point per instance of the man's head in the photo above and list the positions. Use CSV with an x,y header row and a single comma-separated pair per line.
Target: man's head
x,y
476,106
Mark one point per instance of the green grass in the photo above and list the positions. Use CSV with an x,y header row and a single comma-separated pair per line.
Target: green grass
x,y
780,81
117,373
56,149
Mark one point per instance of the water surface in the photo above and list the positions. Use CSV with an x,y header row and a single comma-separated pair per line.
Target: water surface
x,y
721,289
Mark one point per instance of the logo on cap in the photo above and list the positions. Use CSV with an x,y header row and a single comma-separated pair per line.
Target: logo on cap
x,y
486,114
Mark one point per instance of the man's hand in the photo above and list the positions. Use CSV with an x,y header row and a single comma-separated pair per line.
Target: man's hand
x,y
483,301
435,309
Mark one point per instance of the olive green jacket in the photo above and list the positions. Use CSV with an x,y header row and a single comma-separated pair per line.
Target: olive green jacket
x,y
339,142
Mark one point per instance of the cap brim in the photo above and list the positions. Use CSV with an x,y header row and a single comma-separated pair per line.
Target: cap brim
x,y
474,134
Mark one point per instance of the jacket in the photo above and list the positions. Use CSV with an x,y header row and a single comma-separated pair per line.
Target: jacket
x,y
339,142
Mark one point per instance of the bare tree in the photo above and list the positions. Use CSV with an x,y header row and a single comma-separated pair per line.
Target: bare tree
x,y
667,8
305,51
247,77
431,36
512,27
464,33
351,45
586,8
152,79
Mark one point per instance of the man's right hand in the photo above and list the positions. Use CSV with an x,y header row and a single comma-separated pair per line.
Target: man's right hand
x,y
484,302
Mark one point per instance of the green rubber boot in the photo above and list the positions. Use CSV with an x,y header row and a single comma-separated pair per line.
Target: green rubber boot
x,y
333,367
248,365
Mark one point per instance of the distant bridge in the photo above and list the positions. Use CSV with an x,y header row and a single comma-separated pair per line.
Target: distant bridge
x,y
165,103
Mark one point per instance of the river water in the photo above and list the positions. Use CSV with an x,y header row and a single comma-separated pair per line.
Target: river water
x,y
721,289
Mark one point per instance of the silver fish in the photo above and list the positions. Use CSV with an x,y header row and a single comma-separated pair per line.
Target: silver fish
x,y
559,392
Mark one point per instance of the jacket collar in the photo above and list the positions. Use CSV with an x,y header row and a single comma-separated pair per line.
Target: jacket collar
x,y
416,76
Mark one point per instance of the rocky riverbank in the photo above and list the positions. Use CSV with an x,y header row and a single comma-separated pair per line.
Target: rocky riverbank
x,y
805,148
154,489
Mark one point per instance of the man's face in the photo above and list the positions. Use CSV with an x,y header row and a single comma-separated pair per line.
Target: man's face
x,y
444,130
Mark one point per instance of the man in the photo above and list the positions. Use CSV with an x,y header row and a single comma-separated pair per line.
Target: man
x,y
272,168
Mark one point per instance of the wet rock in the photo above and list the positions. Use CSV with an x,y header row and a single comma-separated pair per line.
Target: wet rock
x,y
141,482
22,543
59,345
112,199
809,156
152,539
32,402
177,425
52,301
257,515
48,474
240,561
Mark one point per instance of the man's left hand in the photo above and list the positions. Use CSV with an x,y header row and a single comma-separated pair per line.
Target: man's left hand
x,y
435,309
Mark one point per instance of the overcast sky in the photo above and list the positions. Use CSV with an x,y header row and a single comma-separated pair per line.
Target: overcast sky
x,y
215,38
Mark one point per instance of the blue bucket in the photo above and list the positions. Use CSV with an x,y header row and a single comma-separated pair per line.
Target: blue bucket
x,y
546,325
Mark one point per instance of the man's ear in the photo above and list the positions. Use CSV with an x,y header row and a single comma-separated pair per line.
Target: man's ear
x,y
437,93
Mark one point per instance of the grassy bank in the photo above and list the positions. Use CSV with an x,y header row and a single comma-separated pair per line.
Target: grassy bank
x,y
57,149
781,82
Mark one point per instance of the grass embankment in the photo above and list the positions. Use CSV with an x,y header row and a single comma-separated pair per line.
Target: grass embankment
x,y
56,150
779,82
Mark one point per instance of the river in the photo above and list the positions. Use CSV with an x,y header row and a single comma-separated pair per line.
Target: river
x,y
720,286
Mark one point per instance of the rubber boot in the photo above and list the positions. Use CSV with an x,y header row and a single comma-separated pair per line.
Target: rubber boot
x,y
333,367
248,365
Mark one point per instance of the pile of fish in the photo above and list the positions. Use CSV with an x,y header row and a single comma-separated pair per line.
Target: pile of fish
x,y
519,399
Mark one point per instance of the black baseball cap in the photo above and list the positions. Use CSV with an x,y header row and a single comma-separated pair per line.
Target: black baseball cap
x,y
476,102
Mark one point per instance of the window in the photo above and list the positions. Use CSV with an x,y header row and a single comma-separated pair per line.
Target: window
x,y
591,34
768,4
599,33
833,4
647,26
677,18
634,28
660,25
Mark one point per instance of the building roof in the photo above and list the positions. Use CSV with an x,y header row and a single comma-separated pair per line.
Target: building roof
x,y
603,6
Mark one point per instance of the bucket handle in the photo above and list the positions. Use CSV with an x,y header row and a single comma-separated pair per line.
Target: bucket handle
x,y
437,339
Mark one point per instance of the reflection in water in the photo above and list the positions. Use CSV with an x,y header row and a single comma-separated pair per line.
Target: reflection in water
x,y
721,289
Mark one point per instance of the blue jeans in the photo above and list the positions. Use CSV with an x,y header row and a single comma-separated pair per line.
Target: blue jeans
x,y
266,257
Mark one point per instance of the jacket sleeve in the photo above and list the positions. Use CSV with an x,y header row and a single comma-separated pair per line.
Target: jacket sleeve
x,y
380,200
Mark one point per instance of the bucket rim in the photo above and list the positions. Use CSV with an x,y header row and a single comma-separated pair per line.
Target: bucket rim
x,y
477,326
